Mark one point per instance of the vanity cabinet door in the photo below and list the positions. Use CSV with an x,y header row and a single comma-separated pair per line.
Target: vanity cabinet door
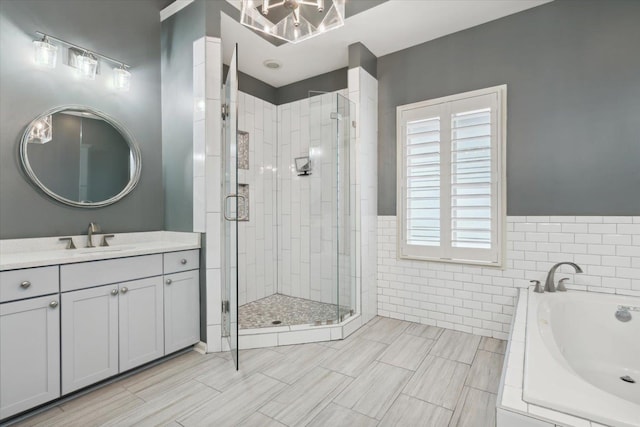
x,y
89,336
141,322
29,354
181,310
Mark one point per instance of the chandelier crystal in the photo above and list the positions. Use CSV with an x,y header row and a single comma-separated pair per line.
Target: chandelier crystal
x,y
293,20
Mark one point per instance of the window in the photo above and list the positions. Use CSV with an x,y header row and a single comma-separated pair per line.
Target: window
x,y
451,178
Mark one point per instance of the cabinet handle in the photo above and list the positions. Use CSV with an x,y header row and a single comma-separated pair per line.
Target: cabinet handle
x,y
53,304
168,281
114,292
25,284
124,290
183,261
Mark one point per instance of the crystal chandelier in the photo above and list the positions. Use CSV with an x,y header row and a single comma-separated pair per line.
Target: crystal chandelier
x,y
292,20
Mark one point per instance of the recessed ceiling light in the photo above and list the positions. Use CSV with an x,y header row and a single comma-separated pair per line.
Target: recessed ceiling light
x,y
272,64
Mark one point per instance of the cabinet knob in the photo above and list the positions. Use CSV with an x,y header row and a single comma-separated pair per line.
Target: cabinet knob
x,y
124,290
114,292
25,284
168,281
183,261
53,304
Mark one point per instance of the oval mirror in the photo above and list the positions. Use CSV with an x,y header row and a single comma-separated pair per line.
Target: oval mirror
x,y
80,156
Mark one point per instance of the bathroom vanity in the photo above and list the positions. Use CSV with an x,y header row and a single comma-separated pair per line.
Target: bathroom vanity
x,y
70,318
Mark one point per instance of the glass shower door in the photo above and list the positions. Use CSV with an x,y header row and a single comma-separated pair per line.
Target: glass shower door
x,y
230,208
342,143
331,208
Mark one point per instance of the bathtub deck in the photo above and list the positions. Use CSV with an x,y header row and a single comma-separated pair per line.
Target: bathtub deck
x,y
389,372
512,409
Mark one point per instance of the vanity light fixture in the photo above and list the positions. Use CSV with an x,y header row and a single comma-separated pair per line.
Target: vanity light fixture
x,y
85,60
121,79
45,54
292,20
87,65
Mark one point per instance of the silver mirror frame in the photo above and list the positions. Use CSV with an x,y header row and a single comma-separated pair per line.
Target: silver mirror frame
x,y
133,146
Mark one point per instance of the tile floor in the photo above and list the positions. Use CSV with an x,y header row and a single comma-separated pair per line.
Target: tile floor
x,y
389,372
287,311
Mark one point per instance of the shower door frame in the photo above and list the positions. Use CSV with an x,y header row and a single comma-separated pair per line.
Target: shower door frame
x,y
230,209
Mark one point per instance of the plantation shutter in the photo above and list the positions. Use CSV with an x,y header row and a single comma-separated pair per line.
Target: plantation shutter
x,y
450,180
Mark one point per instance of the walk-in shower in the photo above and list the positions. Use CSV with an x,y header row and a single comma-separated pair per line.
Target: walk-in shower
x,y
296,258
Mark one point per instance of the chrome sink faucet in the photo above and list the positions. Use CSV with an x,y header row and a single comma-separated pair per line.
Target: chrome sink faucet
x,y
93,228
549,285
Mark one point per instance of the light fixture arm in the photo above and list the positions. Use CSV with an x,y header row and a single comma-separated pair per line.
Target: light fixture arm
x,y
318,3
87,51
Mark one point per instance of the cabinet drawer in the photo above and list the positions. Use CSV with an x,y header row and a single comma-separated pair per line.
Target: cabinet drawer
x,y
28,282
95,273
181,261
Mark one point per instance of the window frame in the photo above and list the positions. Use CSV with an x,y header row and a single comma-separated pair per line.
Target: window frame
x,y
499,200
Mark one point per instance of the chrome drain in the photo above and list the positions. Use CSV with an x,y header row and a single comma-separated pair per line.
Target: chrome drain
x,y
276,322
628,379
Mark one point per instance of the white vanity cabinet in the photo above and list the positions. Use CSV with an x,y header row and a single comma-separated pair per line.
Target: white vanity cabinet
x,y
182,299
181,310
111,328
89,336
29,353
67,326
141,322
29,338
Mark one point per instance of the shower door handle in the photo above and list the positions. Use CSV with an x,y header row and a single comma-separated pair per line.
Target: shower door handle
x,y
239,196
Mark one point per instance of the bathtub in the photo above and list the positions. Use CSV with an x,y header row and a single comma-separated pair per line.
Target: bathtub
x,y
576,353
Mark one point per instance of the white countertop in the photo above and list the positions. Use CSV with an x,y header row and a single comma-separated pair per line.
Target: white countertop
x,y
42,251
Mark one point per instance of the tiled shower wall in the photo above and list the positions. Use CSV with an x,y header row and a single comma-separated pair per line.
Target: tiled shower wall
x,y
293,200
289,237
480,300
307,204
257,239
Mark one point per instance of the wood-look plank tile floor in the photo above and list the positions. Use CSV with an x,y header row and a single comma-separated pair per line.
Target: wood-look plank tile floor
x,y
388,373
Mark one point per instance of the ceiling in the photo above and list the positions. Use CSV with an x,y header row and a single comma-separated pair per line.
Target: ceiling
x,y
391,26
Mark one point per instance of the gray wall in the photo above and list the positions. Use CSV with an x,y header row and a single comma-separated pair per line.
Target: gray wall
x,y
573,75
252,86
133,37
361,56
179,31
327,82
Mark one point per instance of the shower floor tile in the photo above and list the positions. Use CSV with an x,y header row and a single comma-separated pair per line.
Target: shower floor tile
x,y
288,311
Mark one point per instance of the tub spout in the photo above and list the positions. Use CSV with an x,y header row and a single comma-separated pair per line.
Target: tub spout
x,y
549,285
